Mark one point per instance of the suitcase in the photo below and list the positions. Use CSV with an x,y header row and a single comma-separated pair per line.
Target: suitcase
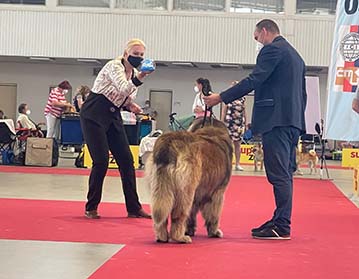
x,y
42,152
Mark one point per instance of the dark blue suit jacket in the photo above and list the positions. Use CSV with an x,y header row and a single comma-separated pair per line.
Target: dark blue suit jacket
x,y
279,82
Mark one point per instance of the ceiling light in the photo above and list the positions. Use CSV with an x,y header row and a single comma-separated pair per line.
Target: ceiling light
x,y
228,65
86,60
184,64
40,58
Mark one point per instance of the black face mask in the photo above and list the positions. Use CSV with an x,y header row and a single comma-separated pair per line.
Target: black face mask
x,y
135,61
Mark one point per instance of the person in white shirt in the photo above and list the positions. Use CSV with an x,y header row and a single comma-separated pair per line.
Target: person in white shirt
x,y
199,106
24,122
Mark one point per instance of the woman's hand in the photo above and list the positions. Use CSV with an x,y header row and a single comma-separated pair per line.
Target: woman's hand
x,y
141,75
133,107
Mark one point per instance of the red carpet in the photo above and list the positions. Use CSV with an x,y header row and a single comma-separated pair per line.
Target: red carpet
x,y
324,238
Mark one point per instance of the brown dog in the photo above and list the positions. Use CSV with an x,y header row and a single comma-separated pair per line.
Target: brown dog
x,y
309,158
258,156
188,172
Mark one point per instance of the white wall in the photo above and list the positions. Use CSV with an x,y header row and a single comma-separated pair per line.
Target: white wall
x,y
33,81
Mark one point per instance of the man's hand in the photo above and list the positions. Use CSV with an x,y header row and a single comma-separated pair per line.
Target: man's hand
x,y
355,105
133,107
212,99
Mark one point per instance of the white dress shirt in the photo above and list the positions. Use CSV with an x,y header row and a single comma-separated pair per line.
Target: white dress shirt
x,y
113,84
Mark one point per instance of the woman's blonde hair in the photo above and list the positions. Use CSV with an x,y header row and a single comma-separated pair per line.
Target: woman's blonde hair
x,y
134,42
83,90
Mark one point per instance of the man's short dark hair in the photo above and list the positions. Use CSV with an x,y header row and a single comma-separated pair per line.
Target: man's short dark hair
x,y
268,25
21,108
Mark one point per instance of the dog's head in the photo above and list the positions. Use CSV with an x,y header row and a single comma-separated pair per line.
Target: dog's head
x,y
257,147
198,124
258,150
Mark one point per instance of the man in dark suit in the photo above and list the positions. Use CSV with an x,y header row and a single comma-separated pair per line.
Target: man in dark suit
x,y
278,115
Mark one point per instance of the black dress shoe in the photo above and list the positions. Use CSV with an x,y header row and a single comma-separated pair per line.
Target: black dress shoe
x,y
140,214
265,225
92,214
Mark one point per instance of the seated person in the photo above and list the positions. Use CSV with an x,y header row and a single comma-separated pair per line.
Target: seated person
x,y
24,122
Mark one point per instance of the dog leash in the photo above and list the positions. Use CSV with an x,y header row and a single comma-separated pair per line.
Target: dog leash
x,y
207,92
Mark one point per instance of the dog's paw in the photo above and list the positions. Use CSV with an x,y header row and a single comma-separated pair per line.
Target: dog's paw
x,y
162,237
216,234
183,239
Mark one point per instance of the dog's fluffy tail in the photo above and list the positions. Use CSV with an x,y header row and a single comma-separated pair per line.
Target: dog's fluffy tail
x,y
168,180
162,197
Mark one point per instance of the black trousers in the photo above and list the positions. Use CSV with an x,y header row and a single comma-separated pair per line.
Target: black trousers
x,y
279,146
103,130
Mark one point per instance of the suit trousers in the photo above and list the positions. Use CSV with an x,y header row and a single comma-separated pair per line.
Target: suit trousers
x,y
103,130
279,146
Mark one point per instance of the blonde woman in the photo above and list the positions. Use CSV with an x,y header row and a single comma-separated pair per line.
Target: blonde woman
x,y
115,88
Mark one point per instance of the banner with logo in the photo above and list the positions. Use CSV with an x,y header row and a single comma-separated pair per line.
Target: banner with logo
x,y
342,123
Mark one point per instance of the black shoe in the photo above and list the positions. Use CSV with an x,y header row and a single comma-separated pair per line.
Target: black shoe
x,y
271,233
265,225
92,214
140,214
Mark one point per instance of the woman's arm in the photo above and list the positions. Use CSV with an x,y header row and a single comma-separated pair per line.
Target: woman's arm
x,y
60,104
224,112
